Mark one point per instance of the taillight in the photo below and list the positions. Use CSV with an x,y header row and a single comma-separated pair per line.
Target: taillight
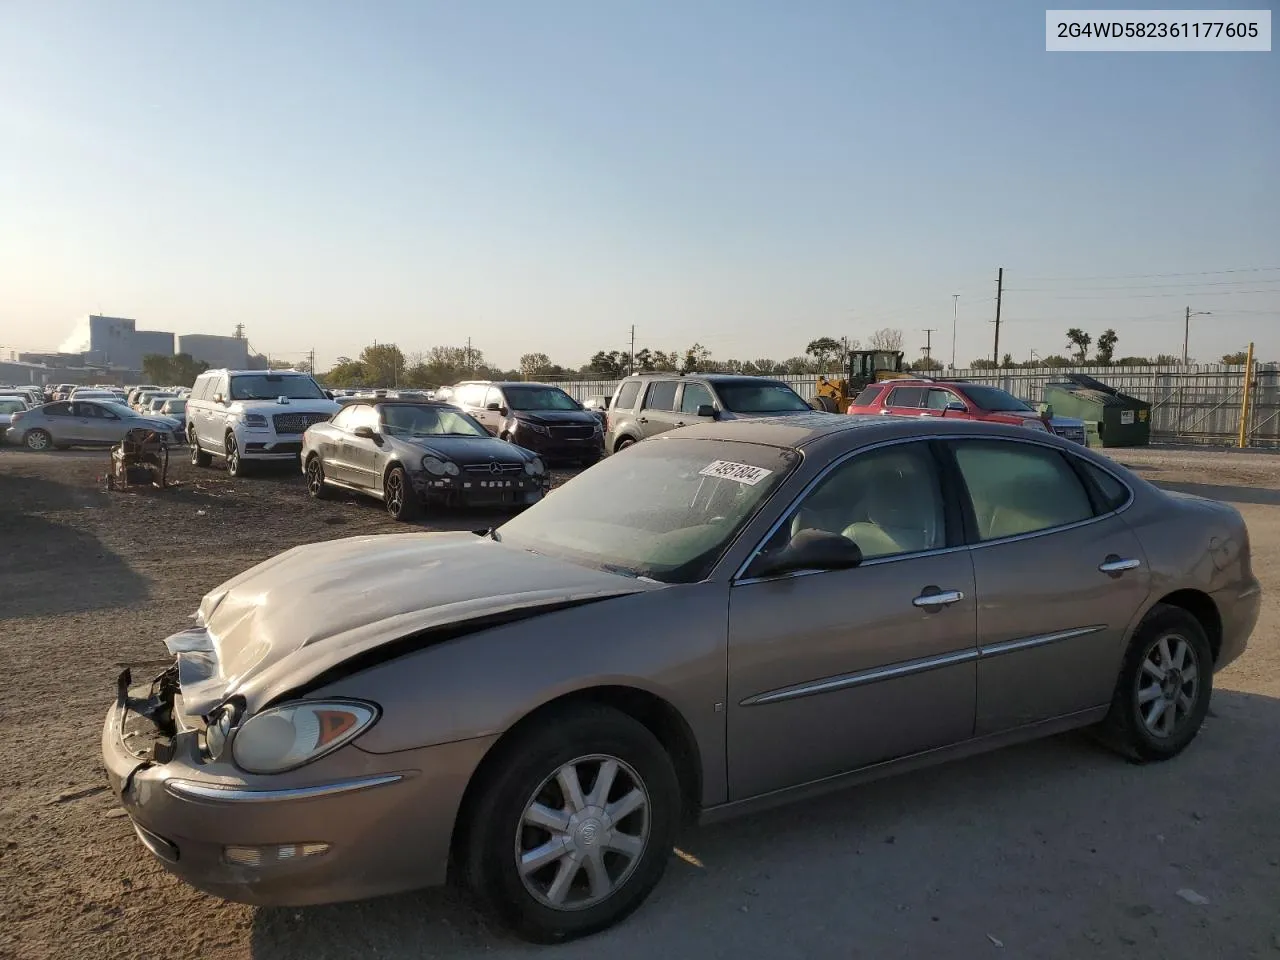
x,y
15,418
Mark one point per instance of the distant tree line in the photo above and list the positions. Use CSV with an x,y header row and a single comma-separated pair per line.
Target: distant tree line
x,y
384,365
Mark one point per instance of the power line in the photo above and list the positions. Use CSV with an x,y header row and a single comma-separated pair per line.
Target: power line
x,y
1149,286
1157,276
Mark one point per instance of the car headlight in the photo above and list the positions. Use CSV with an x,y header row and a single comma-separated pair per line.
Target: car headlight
x,y
439,468
218,731
255,421
535,467
535,427
288,736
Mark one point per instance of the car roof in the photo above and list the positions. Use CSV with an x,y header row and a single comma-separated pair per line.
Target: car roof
x,y
713,377
803,429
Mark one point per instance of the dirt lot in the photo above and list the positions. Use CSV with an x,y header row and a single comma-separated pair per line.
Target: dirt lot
x,y
1050,850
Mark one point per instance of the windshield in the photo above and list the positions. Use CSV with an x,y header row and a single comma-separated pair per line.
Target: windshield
x,y
994,399
411,420
267,386
174,406
539,398
11,405
768,396
664,509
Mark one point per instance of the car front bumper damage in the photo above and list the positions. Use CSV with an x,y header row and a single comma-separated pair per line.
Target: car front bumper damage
x,y
351,825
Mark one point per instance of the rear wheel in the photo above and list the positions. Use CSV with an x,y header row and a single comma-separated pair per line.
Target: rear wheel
x,y
623,444
199,457
399,497
1165,685
316,487
825,404
38,439
573,828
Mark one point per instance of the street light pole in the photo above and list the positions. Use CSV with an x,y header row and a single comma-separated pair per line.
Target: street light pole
x,y
955,312
1186,330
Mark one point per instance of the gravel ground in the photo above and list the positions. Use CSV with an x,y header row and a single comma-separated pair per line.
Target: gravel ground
x,y
1054,849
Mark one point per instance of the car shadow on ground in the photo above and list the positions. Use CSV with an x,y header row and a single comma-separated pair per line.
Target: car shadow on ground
x,y
1051,847
1225,492
38,581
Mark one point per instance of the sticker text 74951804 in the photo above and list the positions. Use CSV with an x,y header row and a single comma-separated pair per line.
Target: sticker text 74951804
x,y
741,472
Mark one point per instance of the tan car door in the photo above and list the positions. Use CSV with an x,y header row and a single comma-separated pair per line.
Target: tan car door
x,y
831,671
1060,578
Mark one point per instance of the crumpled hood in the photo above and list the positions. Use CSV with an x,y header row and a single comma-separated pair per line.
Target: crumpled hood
x,y
282,623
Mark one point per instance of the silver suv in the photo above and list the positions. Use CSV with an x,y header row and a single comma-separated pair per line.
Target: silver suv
x,y
650,403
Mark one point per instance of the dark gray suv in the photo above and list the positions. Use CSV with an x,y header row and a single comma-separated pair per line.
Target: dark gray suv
x,y
650,403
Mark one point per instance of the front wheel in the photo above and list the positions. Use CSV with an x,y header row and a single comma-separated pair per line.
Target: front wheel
x,y
399,497
1165,684
574,826
236,466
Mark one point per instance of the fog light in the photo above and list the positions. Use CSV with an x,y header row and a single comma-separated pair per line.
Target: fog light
x,y
269,856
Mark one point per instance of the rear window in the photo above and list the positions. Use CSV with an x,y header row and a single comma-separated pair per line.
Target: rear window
x,y
867,397
627,394
905,397
662,395
993,399
1114,493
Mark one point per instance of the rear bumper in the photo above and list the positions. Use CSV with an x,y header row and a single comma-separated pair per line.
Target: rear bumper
x,y
387,820
1239,608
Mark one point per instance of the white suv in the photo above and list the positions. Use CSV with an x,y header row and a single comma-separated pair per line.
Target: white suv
x,y
249,415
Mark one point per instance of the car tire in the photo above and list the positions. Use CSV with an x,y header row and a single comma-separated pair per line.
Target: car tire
x,y
1162,695
399,497
623,444
199,456
625,859
236,465
37,440
316,487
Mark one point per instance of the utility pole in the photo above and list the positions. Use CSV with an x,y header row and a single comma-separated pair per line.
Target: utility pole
x,y
1186,330
631,357
928,342
468,353
955,314
995,355
311,361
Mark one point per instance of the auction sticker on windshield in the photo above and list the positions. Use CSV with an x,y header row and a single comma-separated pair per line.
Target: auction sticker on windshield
x,y
741,472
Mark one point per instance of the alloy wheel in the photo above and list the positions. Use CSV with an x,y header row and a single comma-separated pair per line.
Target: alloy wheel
x,y
1168,684
315,477
37,440
583,832
395,494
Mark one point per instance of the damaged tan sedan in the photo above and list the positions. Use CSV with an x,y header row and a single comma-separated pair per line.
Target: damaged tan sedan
x,y
724,617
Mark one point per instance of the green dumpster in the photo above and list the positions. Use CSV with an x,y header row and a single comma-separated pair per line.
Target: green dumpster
x,y
1123,421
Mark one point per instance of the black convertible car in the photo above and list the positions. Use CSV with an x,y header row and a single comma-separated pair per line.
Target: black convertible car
x,y
418,453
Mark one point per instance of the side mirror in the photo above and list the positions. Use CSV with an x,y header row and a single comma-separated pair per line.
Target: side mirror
x,y
367,433
493,407
955,406
1046,411
504,411
219,398
329,394
707,410
809,550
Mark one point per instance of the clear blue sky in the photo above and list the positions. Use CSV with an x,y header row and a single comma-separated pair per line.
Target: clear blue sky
x,y
540,176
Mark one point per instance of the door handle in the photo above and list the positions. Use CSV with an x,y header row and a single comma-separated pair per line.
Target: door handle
x,y
679,423
1114,564
939,598
642,419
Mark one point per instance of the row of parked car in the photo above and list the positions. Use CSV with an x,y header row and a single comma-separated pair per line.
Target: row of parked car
x,y
43,419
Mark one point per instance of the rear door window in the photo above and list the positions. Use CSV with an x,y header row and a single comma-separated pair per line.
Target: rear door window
x,y
1019,488
57,410
662,395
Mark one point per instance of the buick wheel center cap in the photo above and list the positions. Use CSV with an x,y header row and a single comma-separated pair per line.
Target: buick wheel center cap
x,y
590,828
